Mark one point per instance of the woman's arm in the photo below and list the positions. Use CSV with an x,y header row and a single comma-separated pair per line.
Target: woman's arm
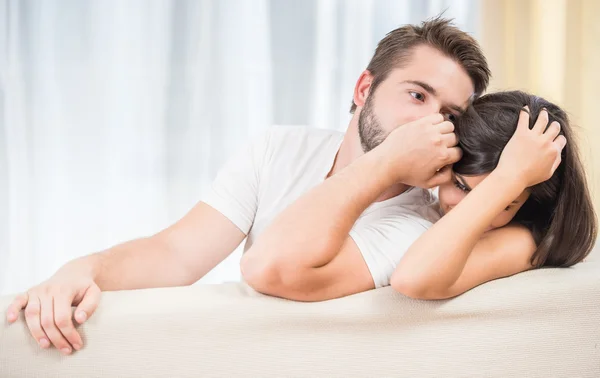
x,y
455,255
442,263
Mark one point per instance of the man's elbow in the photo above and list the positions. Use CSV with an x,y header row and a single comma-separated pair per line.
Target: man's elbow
x,y
278,279
414,289
266,276
259,273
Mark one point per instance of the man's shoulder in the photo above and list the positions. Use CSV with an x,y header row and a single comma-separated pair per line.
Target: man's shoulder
x,y
298,132
296,141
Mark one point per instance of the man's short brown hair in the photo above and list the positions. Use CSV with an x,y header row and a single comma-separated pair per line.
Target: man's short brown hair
x,y
394,50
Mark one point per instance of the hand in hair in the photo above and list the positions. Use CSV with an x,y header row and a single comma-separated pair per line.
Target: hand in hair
x,y
532,155
421,152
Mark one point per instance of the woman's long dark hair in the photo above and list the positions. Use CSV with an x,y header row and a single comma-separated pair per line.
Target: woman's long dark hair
x,y
559,211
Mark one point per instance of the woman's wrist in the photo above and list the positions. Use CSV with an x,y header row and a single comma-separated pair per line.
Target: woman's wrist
x,y
509,180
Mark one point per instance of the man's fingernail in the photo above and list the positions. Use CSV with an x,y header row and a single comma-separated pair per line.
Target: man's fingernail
x,y
66,350
81,316
76,346
44,343
11,316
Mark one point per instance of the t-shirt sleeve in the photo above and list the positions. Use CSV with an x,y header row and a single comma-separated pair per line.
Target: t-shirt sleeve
x,y
234,192
384,241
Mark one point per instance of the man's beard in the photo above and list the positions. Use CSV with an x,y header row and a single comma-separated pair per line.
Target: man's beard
x,y
369,129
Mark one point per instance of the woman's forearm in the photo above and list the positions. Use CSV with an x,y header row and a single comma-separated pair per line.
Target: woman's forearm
x,y
438,257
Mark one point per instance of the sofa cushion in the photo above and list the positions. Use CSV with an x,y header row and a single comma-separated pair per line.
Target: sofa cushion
x,y
539,323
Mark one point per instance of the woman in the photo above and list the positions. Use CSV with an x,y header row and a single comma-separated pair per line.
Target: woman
x,y
508,208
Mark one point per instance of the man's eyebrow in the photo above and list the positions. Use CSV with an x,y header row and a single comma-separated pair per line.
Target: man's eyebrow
x,y
464,183
427,87
431,90
457,109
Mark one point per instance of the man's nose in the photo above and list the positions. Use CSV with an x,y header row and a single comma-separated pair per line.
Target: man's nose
x,y
423,113
431,108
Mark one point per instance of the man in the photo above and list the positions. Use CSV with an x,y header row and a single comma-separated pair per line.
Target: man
x,y
326,214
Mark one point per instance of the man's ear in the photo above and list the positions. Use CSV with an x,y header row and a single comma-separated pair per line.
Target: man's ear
x,y
362,88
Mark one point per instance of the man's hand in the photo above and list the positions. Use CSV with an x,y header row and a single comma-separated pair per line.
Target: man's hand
x,y
419,153
179,255
48,308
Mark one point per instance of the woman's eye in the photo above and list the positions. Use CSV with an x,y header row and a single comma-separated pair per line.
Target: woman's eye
x,y
507,208
460,186
417,96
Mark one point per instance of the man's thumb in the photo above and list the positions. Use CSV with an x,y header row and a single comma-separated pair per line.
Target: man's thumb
x,y
442,176
88,304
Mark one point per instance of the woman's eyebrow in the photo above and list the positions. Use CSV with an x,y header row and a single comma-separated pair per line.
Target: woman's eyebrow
x,y
462,181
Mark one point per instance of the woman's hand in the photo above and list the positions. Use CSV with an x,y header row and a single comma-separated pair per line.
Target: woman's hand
x,y
532,155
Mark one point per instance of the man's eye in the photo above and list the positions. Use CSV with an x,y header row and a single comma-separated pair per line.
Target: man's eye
x,y
418,96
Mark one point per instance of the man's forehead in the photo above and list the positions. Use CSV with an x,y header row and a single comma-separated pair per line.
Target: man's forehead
x,y
448,77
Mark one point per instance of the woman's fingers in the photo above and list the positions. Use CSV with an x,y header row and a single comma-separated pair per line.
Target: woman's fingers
x,y
523,123
553,130
541,122
560,142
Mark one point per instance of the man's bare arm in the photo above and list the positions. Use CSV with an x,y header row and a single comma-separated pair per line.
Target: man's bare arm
x,y
178,255
306,252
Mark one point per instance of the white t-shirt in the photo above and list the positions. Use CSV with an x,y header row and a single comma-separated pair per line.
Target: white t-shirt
x,y
263,179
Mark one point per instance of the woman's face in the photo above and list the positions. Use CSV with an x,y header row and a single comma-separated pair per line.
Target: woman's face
x,y
451,193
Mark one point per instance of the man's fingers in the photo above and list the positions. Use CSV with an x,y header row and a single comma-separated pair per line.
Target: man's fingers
x,y
19,303
450,140
88,304
523,119
432,119
49,325
541,122
32,317
445,127
64,321
453,154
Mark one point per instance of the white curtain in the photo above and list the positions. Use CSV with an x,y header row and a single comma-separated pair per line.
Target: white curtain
x,y
116,114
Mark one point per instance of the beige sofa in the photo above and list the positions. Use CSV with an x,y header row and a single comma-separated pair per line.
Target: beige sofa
x,y
543,323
